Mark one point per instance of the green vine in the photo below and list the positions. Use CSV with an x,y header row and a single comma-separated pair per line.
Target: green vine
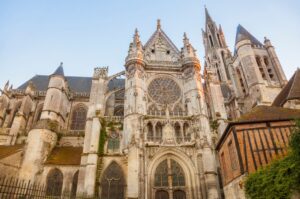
x,y
280,179
103,136
106,126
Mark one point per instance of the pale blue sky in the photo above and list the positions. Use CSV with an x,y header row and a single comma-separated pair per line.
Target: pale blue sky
x,y
36,35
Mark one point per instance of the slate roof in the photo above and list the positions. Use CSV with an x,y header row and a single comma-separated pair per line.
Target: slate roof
x,y
6,151
76,84
290,91
243,34
65,156
59,71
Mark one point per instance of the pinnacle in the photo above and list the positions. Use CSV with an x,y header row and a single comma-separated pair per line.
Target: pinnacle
x,y
158,26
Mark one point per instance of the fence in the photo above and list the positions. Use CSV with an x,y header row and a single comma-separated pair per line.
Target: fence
x,y
12,188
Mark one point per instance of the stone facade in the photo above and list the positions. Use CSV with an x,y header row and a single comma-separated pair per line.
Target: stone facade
x,y
146,132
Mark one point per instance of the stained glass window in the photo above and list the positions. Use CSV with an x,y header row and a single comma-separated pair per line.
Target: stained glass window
x,y
119,111
161,175
113,183
169,176
54,182
177,174
78,118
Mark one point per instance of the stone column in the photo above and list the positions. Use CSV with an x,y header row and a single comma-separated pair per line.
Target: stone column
x,y
210,174
92,159
40,144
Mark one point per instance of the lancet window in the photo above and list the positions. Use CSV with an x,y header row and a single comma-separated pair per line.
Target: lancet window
x,y
78,118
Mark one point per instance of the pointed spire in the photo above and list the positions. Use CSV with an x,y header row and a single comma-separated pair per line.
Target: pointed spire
x,y
188,51
158,26
243,34
186,41
135,48
6,86
136,37
208,18
59,70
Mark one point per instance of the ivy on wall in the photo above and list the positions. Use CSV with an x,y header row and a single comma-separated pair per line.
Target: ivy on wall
x,y
110,126
280,179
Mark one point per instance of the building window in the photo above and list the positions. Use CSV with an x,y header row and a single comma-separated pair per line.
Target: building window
x,y
119,111
113,142
169,177
113,182
150,135
74,185
78,118
266,60
178,132
54,183
232,156
211,41
158,131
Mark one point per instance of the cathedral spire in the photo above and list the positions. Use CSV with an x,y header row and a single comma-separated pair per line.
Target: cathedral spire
x,y
208,18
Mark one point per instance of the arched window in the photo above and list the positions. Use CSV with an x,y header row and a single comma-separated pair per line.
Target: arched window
x,y
112,182
169,176
161,194
54,183
150,131
158,131
258,60
266,61
119,111
178,132
177,110
179,194
74,185
186,133
78,118
211,41
113,143
152,110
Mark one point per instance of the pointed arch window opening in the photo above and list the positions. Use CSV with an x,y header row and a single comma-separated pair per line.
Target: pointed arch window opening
x,y
54,183
113,183
211,41
78,118
169,180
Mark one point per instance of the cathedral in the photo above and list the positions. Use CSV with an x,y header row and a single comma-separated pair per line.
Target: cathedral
x,y
147,132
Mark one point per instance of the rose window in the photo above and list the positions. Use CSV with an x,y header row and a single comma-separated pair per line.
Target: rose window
x,y
164,90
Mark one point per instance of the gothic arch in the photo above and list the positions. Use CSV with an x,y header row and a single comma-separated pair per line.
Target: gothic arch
x,y
74,184
78,117
113,182
188,167
54,182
